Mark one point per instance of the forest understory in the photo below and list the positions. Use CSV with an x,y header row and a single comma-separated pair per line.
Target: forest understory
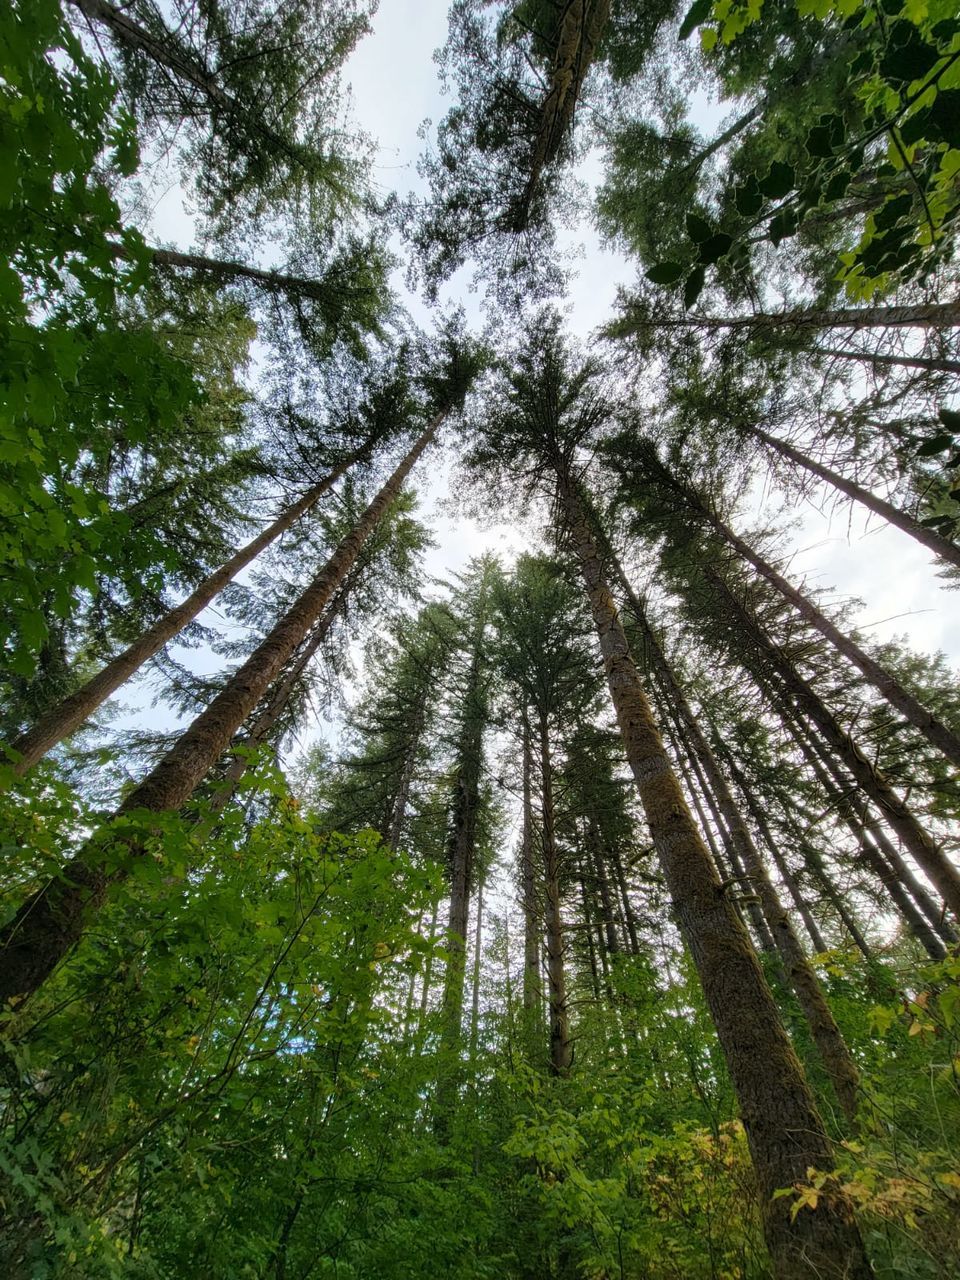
x,y
372,910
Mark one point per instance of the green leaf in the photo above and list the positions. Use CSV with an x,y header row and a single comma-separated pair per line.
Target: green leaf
x,y
837,185
780,180
936,444
666,273
825,137
945,116
698,12
748,198
698,229
694,286
951,419
715,247
892,212
908,57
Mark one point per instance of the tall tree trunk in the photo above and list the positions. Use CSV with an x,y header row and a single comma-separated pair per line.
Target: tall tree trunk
x,y
629,917
874,784
929,906
531,916
814,867
475,1002
935,542
402,800
427,976
931,363
67,716
561,1048
876,850
49,924
185,66
886,684
595,847
831,1046
593,940
784,1130
933,315
462,853
222,271
698,787
581,28
265,721
776,853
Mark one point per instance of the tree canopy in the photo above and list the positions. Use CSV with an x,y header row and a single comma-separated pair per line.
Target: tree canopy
x,y
377,903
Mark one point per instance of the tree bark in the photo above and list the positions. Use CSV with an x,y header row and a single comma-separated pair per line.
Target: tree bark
x,y
682,747
603,884
935,542
934,315
872,781
186,67
531,916
67,716
224,270
475,1002
402,800
50,923
876,850
265,721
776,853
784,1130
462,854
886,685
831,1046
561,1048
629,917
581,27
930,363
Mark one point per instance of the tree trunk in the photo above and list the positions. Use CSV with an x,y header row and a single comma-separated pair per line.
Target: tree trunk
x,y
922,847
561,1049
603,884
831,1046
736,872
266,720
629,918
223,271
784,1129
427,976
531,916
933,315
62,720
780,862
874,846
935,542
581,27
885,684
401,803
462,853
53,919
186,67
475,1003
933,364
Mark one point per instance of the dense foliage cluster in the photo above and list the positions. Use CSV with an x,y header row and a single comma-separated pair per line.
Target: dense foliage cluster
x,y
615,933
